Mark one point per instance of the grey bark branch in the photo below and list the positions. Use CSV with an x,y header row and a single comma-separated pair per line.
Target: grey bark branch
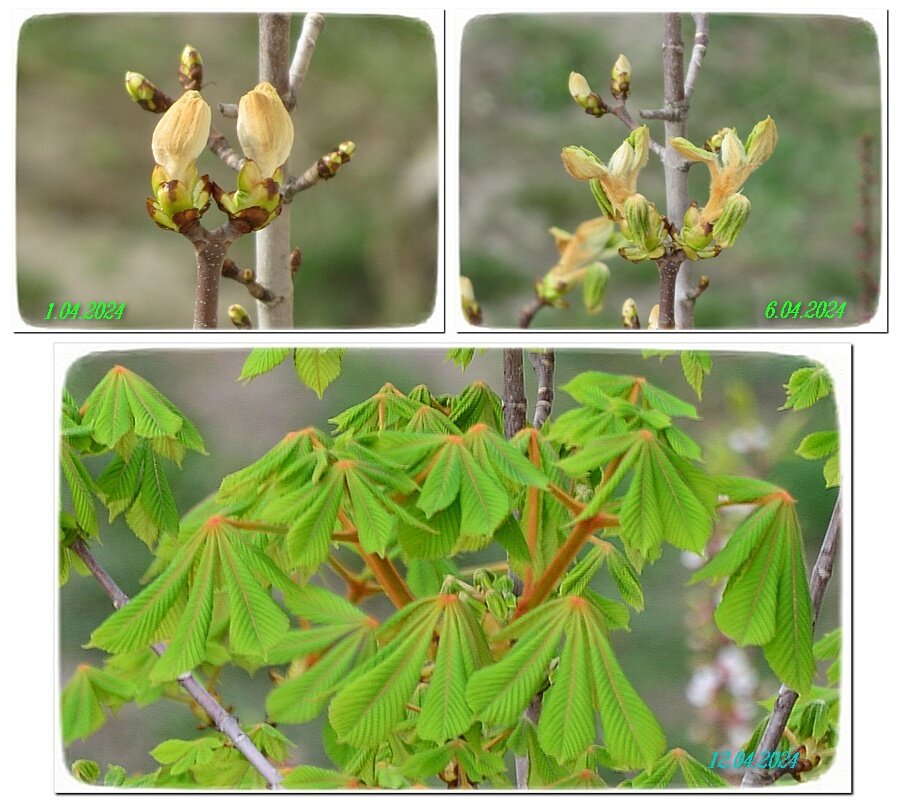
x,y
310,31
676,177
513,398
224,721
273,243
699,48
786,697
543,364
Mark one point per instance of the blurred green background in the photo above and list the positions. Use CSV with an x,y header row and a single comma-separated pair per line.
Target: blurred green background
x,y
818,77
369,236
741,432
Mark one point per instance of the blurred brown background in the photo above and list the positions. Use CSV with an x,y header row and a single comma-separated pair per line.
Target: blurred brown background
x,y
818,77
369,236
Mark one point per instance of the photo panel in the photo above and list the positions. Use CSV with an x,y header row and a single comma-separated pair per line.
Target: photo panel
x,y
162,184
599,152
474,569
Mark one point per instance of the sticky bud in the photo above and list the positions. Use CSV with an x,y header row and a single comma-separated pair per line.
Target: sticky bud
x,y
595,281
620,78
181,136
629,314
729,225
191,69
583,95
239,317
265,129
145,93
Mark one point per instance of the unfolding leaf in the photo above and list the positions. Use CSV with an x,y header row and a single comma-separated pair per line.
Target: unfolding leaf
x,y
183,754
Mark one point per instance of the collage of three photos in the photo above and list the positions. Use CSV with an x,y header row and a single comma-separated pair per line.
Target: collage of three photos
x,y
401,490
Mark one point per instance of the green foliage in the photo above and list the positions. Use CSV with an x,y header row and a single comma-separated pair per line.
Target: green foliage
x,y
766,600
806,386
385,503
315,368
88,693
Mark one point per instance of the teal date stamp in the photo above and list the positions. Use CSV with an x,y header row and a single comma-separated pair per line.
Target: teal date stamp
x,y
94,311
766,759
813,309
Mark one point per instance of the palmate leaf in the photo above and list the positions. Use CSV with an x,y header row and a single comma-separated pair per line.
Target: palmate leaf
x,y
318,368
85,697
301,698
178,605
180,755
308,777
766,601
476,404
462,650
823,444
588,677
388,409
372,700
659,776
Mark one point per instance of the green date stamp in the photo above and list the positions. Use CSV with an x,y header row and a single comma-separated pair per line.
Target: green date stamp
x,y
91,311
814,309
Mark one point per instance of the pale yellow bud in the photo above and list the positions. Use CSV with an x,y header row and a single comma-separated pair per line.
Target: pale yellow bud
x,y
579,87
265,129
653,317
181,136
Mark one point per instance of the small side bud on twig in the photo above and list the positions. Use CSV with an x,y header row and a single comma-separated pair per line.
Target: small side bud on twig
x,y
468,302
239,317
620,78
191,69
295,259
629,314
327,167
145,93
585,98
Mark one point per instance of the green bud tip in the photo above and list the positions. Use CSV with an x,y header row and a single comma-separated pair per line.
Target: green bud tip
x,y
191,69
620,77
729,225
239,316
144,93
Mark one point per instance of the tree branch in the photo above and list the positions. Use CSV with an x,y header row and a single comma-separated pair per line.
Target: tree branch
x,y
676,177
543,365
786,698
273,243
699,48
224,721
248,278
620,111
513,397
528,312
310,31
323,169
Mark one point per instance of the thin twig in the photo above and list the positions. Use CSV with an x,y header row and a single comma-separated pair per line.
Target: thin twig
x,y
248,278
528,312
699,48
310,31
224,721
323,169
786,698
513,397
543,364
229,110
